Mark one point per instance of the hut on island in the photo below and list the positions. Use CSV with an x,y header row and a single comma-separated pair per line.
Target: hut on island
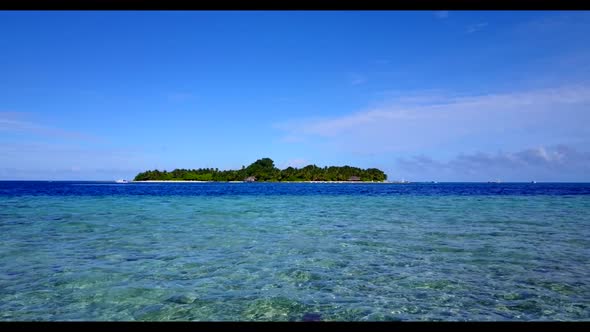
x,y
354,178
250,179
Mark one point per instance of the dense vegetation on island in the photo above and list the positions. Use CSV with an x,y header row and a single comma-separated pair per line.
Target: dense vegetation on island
x,y
265,170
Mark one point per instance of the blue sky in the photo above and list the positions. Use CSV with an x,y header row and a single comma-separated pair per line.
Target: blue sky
x,y
422,95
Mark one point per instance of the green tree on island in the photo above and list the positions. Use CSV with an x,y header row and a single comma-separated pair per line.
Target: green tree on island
x,y
264,170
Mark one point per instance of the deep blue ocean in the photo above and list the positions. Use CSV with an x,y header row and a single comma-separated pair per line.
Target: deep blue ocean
x,y
101,251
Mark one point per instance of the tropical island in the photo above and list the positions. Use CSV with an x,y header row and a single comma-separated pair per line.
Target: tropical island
x,y
264,170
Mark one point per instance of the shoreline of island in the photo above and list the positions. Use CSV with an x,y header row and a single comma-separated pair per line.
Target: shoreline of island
x,y
195,181
264,170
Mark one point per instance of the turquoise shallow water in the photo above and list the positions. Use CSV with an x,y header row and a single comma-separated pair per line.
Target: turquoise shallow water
x,y
294,257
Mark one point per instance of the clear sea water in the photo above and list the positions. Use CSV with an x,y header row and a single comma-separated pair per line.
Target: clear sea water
x,y
98,251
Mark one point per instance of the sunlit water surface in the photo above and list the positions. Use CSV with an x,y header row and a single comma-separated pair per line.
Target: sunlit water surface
x,y
292,252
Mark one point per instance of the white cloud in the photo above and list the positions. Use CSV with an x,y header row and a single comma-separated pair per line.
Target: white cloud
x,y
36,160
68,174
292,139
410,124
357,79
476,27
551,22
558,162
13,122
442,14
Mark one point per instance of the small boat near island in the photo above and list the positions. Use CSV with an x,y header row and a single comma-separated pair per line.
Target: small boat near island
x,y
121,181
402,181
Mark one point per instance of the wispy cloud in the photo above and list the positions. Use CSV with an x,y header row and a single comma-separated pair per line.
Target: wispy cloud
x,y
66,173
476,27
561,22
556,162
291,138
356,79
14,122
442,14
406,125
36,160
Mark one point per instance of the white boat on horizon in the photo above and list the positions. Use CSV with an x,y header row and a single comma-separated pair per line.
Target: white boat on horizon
x,y
122,181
